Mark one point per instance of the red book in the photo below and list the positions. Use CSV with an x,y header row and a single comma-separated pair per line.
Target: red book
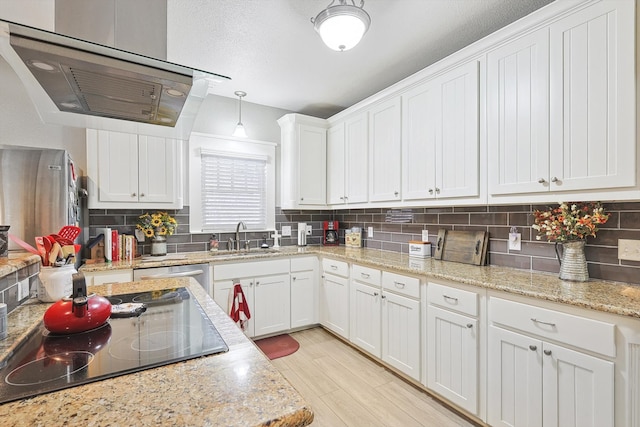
x,y
115,243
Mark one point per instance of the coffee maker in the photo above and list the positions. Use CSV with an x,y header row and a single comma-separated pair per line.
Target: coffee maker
x,y
330,233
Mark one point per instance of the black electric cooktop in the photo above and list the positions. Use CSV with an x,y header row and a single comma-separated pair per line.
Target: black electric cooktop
x,y
173,328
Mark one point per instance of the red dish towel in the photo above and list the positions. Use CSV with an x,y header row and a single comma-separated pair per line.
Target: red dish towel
x,y
238,307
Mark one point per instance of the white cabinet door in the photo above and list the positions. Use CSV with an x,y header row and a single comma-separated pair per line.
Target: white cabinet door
x,y
592,114
272,304
365,317
514,379
336,185
356,159
518,115
458,134
303,299
156,169
221,291
577,389
312,165
334,304
385,151
452,357
117,163
419,120
401,333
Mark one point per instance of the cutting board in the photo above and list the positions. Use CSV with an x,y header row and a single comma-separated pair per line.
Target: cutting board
x,y
468,247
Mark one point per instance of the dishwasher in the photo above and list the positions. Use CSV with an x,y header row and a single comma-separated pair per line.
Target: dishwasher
x,y
200,272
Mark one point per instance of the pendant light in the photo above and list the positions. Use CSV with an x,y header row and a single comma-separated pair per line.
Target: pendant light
x,y
342,26
240,132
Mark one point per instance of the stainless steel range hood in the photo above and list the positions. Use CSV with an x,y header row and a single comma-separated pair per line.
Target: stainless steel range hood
x,y
78,83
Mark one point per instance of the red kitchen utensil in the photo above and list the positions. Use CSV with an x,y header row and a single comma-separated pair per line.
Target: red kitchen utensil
x,y
23,244
42,250
61,240
69,232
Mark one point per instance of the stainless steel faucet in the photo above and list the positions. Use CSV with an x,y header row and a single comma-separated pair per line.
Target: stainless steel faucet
x,y
244,227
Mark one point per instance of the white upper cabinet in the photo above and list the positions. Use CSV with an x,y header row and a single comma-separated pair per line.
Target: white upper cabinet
x,y
518,114
348,148
133,171
561,105
385,151
303,161
440,136
592,90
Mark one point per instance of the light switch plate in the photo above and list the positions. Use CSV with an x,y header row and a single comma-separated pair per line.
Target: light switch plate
x,y
425,235
370,232
629,249
309,230
286,231
515,241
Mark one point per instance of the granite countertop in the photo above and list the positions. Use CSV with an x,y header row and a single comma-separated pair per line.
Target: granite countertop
x,y
606,296
237,388
15,261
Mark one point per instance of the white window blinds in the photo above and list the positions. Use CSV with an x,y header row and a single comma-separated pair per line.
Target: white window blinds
x,y
234,189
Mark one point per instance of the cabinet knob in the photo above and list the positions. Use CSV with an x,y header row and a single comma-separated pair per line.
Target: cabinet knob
x,y
533,347
437,190
257,282
293,278
375,294
554,179
431,191
141,194
345,197
301,199
547,352
541,181
395,193
469,325
383,296
341,197
134,195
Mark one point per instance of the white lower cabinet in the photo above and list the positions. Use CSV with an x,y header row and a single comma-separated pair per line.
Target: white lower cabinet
x,y
401,333
533,382
365,311
268,293
304,291
334,297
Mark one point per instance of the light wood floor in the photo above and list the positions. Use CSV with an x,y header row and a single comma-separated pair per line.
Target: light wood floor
x,y
345,388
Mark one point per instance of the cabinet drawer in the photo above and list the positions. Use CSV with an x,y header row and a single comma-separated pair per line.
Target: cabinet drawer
x,y
250,269
409,286
339,268
452,299
365,275
588,334
303,263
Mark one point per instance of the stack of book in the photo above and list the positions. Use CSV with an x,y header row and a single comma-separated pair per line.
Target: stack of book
x,y
123,246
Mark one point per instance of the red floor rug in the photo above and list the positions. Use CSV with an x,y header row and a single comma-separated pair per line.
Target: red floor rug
x,y
278,346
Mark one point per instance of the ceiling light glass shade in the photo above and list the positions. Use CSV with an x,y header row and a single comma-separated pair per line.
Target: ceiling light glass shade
x,y
239,131
342,26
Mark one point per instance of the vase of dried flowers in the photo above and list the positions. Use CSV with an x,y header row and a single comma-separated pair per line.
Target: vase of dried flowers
x,y
569,225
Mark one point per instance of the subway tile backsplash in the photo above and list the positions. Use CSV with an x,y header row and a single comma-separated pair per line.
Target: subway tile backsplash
x,y
393,228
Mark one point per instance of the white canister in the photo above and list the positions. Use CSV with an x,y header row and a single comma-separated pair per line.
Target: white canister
x,y
55,283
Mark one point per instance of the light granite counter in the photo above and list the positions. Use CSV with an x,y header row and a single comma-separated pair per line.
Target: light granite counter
x,y
237,388
15,261
606,296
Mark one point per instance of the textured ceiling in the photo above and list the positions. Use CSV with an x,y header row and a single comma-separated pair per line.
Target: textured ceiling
x,y
271,51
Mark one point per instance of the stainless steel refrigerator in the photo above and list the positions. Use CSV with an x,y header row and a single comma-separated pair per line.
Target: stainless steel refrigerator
x,y
38,192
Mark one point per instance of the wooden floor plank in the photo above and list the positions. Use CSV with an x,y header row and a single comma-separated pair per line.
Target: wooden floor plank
x,y
346,388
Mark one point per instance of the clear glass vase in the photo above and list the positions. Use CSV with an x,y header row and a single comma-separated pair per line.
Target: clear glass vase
x,y
573,263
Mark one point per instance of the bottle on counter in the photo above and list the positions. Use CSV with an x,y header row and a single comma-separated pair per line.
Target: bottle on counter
x,y
213,243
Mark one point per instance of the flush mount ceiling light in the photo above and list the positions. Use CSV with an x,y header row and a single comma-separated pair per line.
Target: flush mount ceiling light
x,y
342,26
240,132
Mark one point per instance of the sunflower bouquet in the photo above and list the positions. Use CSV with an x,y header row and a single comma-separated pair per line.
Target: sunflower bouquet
x,y
569,221
157,224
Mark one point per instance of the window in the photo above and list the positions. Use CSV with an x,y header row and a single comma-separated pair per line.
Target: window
x,y
230,181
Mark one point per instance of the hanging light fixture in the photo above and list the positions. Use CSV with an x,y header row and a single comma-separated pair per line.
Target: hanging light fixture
x,y
342,26
240,132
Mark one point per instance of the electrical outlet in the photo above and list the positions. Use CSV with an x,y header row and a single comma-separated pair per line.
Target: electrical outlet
x,y
309,230
369,232
425,235
286,231
515,241
23,289
629,249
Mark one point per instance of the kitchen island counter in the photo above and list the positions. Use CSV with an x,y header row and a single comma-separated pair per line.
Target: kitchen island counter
x,y
237,388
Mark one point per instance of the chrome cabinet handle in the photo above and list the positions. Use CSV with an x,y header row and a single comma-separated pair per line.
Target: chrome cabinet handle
x,y
450,298
365,275
554,179
399,285
334,267
547,352
533,319
533,347
541,180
